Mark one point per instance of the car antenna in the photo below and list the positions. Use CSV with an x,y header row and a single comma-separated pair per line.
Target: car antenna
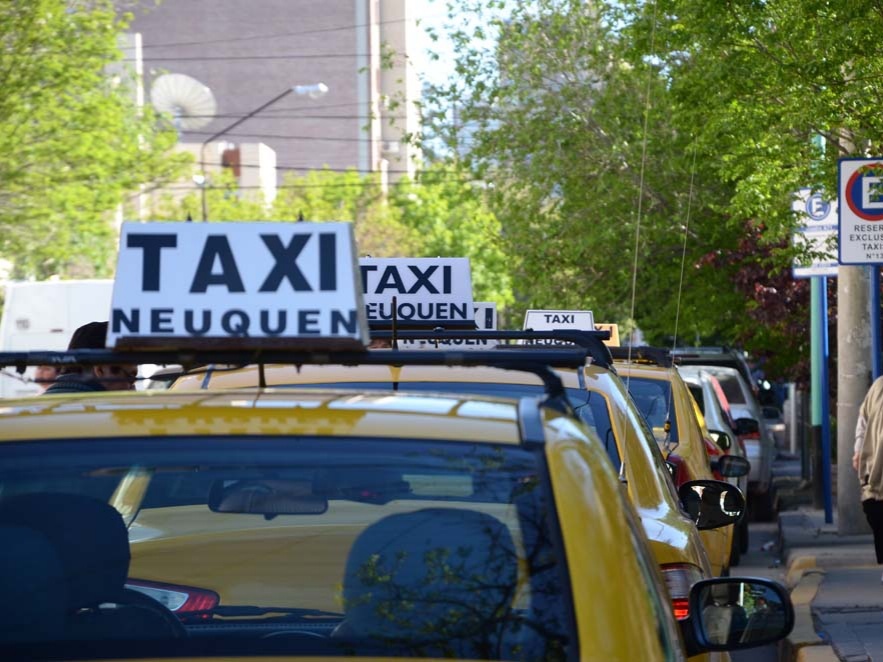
x,y
395,322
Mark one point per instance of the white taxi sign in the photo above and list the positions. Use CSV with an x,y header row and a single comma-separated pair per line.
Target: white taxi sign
x,y
553,320
427,291
240,285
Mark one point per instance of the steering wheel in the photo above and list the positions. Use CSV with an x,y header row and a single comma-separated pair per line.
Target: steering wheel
x,y
139,599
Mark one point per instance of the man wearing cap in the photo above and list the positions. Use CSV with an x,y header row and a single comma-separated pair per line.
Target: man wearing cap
x,y
95,378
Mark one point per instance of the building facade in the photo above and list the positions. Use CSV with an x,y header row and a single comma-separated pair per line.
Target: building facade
x,y
249,52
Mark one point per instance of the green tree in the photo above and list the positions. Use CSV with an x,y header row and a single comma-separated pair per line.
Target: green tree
x,y
578,145
72,141
450,215
439,214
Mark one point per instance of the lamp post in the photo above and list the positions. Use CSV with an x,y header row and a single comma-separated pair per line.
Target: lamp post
x,y
313,91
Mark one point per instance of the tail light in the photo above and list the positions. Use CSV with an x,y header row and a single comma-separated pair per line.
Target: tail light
x,y
182,600
679,577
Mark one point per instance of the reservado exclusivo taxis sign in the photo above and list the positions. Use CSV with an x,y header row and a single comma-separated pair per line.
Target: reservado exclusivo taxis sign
x,y
240,283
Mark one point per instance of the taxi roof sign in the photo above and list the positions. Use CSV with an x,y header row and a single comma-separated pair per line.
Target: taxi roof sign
x,y
548,320
613,328
422,292
237,286
485,320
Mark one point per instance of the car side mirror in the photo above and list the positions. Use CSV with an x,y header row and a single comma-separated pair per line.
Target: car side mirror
x,y
731,466
722,439
712,504
746,426
732,613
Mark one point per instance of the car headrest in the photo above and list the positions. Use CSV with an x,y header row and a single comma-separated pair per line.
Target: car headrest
x,y
88,535
32,586
428,577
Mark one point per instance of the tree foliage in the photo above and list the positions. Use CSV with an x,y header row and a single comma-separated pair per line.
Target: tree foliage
x,y
628,143
72,140
438,214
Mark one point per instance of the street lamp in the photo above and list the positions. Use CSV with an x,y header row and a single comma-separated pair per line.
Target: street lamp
x,y
313,91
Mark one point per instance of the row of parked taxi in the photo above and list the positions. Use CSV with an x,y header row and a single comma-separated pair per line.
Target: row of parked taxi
x,y
312,488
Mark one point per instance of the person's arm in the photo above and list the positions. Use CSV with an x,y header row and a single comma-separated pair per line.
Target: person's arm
x,y
861,426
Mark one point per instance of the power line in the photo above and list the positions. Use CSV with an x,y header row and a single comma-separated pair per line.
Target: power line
x,y
293,117
271,136
229,58
276,34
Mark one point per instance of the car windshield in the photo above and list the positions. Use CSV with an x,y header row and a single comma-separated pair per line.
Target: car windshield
x,y
283,546
590,406
653,397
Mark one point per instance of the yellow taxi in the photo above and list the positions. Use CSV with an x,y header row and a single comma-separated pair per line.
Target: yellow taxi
x,y
310,522
601,402
666,403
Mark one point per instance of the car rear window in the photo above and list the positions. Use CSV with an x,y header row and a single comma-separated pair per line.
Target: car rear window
x,y
698,396
321,546
732,389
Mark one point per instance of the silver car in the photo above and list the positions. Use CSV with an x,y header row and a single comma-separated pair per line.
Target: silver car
x,y
760,446
715,407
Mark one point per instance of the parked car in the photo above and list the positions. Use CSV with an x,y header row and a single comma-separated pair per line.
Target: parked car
x,y
715,409
760,446
600,400
664,399
298,522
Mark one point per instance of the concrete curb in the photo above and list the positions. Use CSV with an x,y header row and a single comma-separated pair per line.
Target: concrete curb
x,y
804,644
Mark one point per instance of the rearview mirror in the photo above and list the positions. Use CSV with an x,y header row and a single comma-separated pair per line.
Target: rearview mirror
x,y
712,504
267,497
747,426
731,613
722,439
731,466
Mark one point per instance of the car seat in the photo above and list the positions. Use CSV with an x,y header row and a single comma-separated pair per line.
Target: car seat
x,y
91,543
32,587
436,582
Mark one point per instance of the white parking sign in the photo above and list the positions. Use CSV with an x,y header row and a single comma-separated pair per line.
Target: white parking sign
x,y
860,186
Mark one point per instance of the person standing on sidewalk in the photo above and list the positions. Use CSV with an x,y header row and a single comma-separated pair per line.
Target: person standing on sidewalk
x,y
868,461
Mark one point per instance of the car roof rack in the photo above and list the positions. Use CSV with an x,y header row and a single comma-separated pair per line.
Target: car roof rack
x,y
643,354
591,341
539,362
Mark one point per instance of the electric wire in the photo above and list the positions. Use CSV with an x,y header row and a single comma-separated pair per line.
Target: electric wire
x,y
647,107
674,342
277,35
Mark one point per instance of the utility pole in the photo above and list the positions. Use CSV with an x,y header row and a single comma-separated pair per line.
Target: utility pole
x,y
853,380
853,375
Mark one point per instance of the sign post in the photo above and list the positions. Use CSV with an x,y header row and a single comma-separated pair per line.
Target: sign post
x,y
818,234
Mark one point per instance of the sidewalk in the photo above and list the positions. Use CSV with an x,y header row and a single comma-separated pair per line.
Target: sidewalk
x,y
835,587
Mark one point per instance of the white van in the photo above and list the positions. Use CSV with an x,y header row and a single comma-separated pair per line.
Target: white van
x,y
42,315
